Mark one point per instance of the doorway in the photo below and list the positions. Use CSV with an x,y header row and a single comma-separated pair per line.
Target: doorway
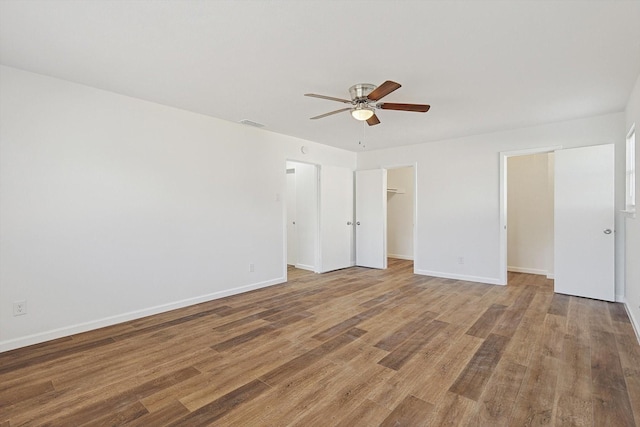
x,y
302,215
583,219
374,191
319,217
504,211
530,193
400,212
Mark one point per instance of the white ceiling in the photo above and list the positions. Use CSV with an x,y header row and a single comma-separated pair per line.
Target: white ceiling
x,y
482,65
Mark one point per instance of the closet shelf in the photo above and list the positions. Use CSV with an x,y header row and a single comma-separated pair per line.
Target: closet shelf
x,y
395,190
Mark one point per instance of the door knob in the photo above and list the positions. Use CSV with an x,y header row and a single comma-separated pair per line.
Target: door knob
x,y
349,223
607,231
358,223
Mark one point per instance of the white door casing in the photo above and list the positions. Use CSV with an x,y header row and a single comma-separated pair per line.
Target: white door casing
x,y
336,218
371,218
584,216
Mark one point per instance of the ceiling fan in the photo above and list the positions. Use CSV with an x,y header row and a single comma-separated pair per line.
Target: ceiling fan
x,y
363,96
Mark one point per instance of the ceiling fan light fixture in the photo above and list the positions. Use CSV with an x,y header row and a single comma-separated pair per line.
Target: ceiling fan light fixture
x,y
361,112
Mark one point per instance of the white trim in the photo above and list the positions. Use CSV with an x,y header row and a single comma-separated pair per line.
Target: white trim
x,y
283,202
306,267
551,276
630,208
132,315
478,279
527,270
397,256
504,155
415,214
634,322
318,249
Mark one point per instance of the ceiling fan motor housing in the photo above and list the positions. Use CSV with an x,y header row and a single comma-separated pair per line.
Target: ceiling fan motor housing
x,y
360,91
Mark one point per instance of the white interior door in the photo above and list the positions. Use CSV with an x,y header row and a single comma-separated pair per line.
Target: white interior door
x,y
336,218
584,222
371,218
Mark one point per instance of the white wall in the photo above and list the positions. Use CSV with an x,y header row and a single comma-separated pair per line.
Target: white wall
x,y
113,208
458,212
400,213
529,214
632,273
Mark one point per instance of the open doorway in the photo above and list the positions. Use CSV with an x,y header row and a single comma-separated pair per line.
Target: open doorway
x,y
400,213
530,214
527,211
302,215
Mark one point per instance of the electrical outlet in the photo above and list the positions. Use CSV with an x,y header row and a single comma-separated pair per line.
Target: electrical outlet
x,y
20,308
252,268
460,260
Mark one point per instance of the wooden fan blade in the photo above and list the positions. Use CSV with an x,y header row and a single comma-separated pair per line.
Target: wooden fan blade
x,y
329,114
373,120
383,90
419,108
330,98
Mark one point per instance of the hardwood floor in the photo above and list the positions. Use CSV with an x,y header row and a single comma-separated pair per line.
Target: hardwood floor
x,y
356,347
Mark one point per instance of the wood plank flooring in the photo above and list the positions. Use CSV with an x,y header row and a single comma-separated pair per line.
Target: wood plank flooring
x,y
356,347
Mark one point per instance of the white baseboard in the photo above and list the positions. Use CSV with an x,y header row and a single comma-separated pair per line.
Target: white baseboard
x,y
306,267
125,317
551,276
397,256
527,270
634,322
487,280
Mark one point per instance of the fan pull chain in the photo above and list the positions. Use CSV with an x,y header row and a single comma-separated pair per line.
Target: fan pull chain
x,y
361,142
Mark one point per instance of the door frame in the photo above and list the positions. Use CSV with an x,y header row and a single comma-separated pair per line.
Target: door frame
x,y
415,206
504,156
